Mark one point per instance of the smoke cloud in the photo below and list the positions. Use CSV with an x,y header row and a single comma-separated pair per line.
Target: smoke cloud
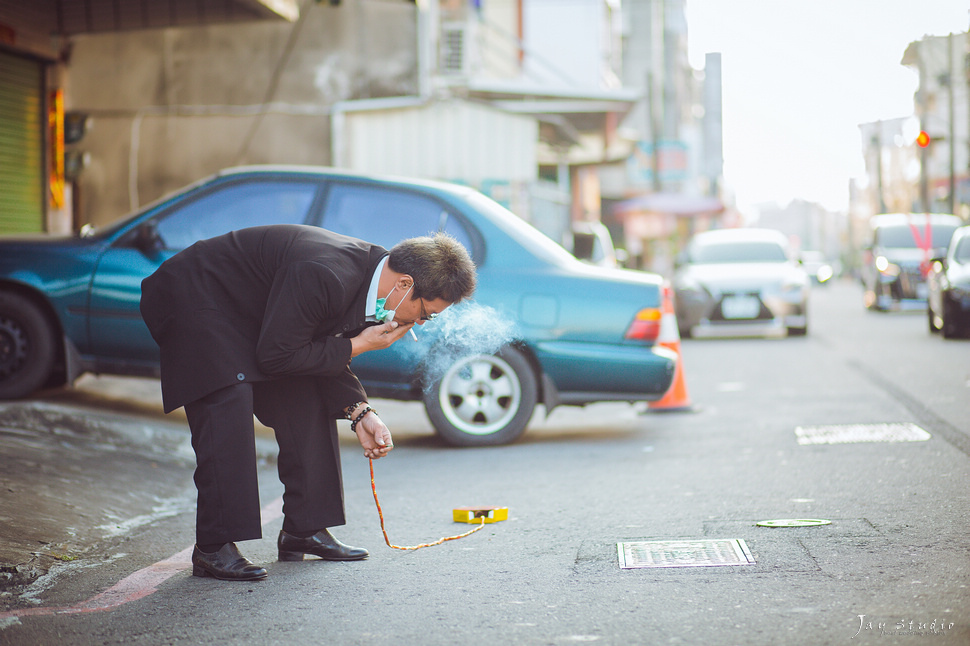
x,y
462,330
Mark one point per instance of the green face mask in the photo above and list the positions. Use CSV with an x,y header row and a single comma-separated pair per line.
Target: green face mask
x,y
383,315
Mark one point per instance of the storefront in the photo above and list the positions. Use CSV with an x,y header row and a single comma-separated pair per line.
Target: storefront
x,y
23,153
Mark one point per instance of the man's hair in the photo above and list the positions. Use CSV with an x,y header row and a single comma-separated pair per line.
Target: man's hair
x,y
439,264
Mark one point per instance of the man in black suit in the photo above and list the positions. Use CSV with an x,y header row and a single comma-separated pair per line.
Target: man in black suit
x,y
265,321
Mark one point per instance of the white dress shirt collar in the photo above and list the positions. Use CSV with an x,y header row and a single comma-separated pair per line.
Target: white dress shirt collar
x,y
370,306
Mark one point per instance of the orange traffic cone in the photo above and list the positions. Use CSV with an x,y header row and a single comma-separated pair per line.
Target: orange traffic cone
x,y
676,398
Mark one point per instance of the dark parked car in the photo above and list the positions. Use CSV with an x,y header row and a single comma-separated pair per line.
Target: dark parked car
x,y
948,302
896,259
544,327
740,282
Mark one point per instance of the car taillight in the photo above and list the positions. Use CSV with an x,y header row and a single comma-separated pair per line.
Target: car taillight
x,y
645,325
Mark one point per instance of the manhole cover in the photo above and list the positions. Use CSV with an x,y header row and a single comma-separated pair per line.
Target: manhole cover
x,y
794,522
683,553
852,433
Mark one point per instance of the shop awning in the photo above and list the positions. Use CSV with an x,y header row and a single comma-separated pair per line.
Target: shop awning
x,y
671,203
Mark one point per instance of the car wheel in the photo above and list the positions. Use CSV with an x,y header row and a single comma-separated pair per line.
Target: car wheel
x,y
483,399
797,331
28,346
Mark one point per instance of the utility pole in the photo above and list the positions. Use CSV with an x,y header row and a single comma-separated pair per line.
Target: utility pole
x,y
924,191
951,83
653,126
876,146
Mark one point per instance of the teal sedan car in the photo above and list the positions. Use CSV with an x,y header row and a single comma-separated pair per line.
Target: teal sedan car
x,y
543,327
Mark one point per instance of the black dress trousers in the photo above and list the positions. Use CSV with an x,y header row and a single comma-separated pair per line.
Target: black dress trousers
x,y
297,410
225,472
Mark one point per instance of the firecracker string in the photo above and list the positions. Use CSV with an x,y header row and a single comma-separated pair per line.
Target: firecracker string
x,y
373,487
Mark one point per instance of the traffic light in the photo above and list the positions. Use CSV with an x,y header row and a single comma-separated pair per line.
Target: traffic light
x,y
76,126
922,139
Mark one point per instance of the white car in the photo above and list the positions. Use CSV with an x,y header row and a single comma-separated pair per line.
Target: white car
x,y
740,282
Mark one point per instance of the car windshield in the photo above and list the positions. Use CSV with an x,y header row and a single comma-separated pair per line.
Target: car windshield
x,y
728,252
904,236
962,253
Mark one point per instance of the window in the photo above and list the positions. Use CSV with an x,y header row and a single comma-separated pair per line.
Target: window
x,y
237,206
386,216
738,252
905,236
962,253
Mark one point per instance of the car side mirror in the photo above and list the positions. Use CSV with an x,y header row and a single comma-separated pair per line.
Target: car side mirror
x,y
147,239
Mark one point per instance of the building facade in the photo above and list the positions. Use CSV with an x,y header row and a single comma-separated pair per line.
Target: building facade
x,y
560,111
901,174
37,124
943,113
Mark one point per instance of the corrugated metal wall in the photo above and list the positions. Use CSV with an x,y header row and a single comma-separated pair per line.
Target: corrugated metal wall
x,y
452,140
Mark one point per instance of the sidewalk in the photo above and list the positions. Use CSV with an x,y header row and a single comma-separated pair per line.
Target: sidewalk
x,y
81,468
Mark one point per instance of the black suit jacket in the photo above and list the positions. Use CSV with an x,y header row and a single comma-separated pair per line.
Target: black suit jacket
x,y
257,304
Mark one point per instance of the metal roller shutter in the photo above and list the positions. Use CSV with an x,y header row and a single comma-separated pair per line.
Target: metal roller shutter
x,y
22,191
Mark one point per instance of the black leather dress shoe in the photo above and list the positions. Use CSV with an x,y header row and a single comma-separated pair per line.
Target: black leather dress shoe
x,y
226,564
322,544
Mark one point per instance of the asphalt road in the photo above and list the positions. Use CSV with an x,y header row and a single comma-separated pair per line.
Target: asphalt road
x,y
892,566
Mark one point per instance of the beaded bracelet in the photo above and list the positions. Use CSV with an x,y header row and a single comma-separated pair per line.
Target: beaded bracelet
x,y
350,409
353,424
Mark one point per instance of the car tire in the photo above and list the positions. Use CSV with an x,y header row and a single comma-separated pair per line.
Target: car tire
x,y
28,346
877,303
483,399
797,331
948,327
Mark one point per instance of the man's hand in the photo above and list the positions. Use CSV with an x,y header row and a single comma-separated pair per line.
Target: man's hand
x,y
378,337
374,436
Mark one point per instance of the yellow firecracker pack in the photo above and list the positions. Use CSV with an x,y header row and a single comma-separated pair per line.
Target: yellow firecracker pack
x,y
477,514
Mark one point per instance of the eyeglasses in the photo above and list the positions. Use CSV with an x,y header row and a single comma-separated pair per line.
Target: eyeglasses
x,y
424,313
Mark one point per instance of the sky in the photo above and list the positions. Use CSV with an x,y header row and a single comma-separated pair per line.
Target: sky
x,y
800,76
